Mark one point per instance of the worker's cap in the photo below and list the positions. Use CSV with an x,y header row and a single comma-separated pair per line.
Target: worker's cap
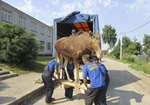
x,y
73,31
95,58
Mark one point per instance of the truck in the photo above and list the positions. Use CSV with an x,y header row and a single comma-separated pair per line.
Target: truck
x,y
63,26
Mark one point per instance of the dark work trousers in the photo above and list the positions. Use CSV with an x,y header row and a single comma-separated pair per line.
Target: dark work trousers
x,y
48,83
94,95
103,101
69,91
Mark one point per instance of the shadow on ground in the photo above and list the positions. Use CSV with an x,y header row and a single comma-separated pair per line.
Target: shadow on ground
x,y
3,86
116,95
4,99
119,78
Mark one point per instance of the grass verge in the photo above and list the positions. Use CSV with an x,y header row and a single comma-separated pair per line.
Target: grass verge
x,y
139,66
37,66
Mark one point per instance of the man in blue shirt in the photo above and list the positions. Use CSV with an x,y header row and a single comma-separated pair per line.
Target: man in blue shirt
x,y
49,70
97,83
70,70
105,75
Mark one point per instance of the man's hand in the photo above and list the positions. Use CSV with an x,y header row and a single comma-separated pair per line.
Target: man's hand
x,y
54,77
85,88
57,80
57,72
85,82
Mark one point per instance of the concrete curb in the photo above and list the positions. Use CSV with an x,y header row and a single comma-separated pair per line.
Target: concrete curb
x,y
29,96
6,74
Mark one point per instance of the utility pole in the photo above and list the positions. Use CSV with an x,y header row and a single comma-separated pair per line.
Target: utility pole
x,y
121,45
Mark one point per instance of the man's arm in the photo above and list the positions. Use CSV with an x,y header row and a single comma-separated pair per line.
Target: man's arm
x,y
85,82
54,77
85,74
58,74
56,70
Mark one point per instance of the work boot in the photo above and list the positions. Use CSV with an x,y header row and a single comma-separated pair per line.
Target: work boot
x,y
104,103
49,104
71,99
52,99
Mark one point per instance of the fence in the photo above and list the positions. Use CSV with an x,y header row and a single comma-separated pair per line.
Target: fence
x,y
142,58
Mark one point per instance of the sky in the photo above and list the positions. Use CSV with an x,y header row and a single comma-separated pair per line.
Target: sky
x,y
123,15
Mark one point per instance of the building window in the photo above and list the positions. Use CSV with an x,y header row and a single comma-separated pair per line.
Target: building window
x,y
6,15
33,26
41,47
22,22
42,30
48,33
48,46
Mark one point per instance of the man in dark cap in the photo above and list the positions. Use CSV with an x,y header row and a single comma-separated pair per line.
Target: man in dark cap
x,y
95,92
105,75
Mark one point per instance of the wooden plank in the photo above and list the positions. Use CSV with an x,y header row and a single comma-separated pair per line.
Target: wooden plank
x,y
67,84
81,87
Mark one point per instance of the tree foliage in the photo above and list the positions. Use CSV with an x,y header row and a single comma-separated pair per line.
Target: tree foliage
x,y
116,51
146,42
129,48
109,35
16,46
126,42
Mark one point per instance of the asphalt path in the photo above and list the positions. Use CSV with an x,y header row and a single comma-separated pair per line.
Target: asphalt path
x,y
127,87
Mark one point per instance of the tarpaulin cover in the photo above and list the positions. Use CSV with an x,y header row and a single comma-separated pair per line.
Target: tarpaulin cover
x,y
75,20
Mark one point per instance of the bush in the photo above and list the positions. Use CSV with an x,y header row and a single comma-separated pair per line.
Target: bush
x,y
146,68
128,58
16,46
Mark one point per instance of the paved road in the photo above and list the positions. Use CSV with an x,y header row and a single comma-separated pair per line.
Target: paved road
x,y
127,87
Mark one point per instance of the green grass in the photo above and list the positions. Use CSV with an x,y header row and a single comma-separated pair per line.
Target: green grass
x,y
139,66
37,66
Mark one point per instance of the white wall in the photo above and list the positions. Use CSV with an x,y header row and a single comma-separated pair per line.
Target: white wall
x,y
17,14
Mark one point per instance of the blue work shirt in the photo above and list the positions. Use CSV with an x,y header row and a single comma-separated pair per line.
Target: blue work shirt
x,y
104,72
52,65
70,67
94,73
103,69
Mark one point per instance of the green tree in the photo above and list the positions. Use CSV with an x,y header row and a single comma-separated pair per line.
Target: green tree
x,y
126,42
109,35
138,47
146,42
131,47
16,46
127,45
116,51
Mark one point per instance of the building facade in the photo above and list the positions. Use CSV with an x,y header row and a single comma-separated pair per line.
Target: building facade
x,y
43,33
